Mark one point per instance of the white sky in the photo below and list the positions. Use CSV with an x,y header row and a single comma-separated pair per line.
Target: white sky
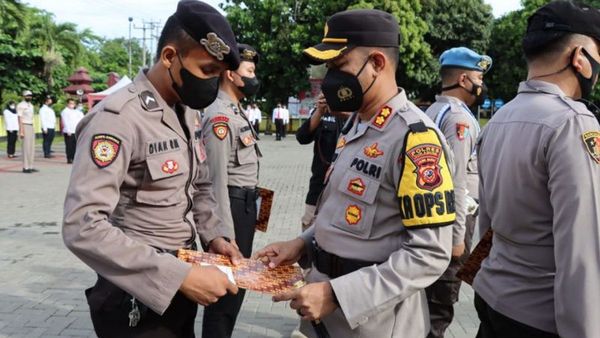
x,y
109,18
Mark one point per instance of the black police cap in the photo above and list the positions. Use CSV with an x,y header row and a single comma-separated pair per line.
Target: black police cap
x,y
248,53
559,18
210,28
354,28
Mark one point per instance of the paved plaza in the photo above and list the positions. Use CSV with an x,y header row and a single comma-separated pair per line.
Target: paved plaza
x,y
42,283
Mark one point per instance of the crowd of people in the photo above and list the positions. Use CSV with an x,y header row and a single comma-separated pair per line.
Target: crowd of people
x,y
172,161
19,123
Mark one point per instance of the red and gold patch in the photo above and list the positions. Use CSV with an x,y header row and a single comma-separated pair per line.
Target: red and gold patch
x,y
219,118
221,129
105,149
247,140
426,158
341,143
462,130
357,186
592,144
170,167
372,151
381,119
353,214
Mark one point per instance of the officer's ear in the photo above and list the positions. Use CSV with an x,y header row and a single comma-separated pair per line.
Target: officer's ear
x,y
168,55
379,62
229,75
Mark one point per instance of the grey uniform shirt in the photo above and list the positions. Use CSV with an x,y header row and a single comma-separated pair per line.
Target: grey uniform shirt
x,y
138,184
361,216
540,192
232,151
461,130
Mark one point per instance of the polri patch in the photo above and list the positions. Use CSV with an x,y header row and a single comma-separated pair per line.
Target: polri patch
x,y
353,214
105,149
221,129
592,144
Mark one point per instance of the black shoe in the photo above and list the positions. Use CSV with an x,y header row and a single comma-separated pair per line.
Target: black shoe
x,y
27,171
69,161
34,170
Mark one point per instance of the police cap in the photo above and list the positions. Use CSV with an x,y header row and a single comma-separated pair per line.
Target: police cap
x,y
354,28
248,53
210,28
559,18
463,57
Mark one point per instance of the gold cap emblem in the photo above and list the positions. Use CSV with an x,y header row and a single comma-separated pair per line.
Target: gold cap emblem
x,y
249,55
483,64
215,46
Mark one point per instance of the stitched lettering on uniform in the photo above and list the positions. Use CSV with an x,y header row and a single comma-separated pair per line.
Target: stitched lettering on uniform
x,y
163,146
366,167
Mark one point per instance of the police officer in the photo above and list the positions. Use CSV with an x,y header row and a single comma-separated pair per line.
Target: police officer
x,y
141,190
539,165
383,227
233,155
462,73
26,132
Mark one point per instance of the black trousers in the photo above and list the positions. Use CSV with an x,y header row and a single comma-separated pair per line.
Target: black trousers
x,y
110,307
443,293
256,126
70,144
47,144
496,325
11,141
279,129
219,318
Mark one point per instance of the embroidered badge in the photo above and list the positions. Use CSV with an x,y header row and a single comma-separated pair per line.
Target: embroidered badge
x,y
383,116
219,118
215,46
353,214
170,167
148,100
221,130
105,149
341,143
357,186
372,151
592,144
426,158
462,130
247,140
345,94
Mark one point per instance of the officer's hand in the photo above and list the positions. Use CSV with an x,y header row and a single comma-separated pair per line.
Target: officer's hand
x,y
312,302
45,131
322,107
458,250
229,249
206,284
21,134
281,253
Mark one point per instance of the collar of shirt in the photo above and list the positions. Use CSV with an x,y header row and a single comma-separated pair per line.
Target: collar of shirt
x,y
398,102
541,87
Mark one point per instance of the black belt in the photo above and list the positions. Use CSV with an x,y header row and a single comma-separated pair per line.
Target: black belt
x,y
175,252
335,266
247,194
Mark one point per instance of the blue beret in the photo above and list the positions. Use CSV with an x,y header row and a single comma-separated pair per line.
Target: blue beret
x,y
463,57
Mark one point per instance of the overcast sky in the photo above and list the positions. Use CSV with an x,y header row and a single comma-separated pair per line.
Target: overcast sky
x,y
109,18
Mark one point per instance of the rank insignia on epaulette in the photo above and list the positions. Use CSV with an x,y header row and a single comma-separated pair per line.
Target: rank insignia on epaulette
x,y
384,114
592,144
372,151
215,46
221,129
105,149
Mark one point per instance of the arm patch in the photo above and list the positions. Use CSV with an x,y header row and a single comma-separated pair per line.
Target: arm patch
x,y
425,190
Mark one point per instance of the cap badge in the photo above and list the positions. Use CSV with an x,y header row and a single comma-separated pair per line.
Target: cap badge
x,y
483,64
344,94
247,54
215,46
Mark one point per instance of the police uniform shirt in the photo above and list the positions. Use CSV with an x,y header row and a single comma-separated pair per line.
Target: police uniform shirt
x,y
539,166
461,129
232,151
47,117
139,186
388,198
25,112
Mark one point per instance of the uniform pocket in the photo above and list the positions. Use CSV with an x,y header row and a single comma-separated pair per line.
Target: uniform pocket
x,y
164,178
356,211
245,152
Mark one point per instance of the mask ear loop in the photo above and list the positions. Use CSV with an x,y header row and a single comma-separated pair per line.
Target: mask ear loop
x,y
360,71
569,64
173,83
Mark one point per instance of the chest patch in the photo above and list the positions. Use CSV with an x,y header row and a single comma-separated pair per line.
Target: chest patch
x,y
341,143
372,151
221,130
163,146
353,214
170,166
357,186
366,167
105,149
592,144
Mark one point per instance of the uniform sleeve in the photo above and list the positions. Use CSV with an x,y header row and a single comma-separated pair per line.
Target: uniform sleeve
x,y
423,256
574,184
303,135
92,195
218,152
20,109
483,219
456,129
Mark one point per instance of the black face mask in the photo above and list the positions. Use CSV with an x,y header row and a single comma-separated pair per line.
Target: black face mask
x,y
479,91
195,92
587,84
343,91
251,86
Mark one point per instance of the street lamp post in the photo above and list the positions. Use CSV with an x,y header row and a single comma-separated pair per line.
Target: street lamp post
x,y
130,20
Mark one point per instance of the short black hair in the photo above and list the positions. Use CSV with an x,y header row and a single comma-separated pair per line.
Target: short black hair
x,y
393,53
174,33
447,73
71,100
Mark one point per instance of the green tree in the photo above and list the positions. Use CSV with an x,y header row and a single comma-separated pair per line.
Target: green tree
x,y
12,17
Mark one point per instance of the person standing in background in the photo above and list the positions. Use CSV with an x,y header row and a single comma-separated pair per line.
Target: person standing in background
x,y
286,120
26,133
11,123
48,120
70,117
278,121
255,116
